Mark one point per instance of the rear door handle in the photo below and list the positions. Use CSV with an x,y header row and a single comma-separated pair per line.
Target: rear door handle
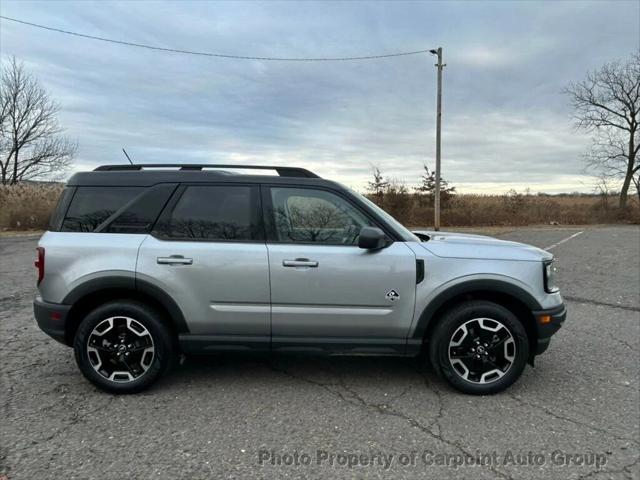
x,y
175,260
300,262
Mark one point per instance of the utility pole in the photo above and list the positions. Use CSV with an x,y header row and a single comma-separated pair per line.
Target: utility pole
x,y
436,204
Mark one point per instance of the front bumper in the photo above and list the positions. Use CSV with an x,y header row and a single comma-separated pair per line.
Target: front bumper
x,y
547,322
51,318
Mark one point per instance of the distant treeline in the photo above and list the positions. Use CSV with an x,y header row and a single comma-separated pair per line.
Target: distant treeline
x,y
27,206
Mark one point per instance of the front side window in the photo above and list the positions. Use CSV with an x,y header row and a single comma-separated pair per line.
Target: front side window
x,y
91,206
303,215
214,213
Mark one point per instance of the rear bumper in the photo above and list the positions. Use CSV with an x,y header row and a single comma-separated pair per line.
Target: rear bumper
x,y
545,330
51,318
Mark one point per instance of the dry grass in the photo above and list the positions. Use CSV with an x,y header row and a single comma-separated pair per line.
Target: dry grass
x,y
513,209
28,206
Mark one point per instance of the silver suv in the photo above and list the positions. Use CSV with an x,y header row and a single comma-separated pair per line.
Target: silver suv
x,y
144,262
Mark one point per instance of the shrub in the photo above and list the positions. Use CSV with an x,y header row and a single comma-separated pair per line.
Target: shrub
x,y
27,206
511,209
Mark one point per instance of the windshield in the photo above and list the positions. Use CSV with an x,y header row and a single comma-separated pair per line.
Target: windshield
x,y
406,233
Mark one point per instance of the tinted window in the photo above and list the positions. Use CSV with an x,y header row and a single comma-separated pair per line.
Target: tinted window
x,y
217,212
91,206
141,214
55,221
315,216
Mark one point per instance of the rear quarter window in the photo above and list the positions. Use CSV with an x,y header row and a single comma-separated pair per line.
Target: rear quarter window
x,y
57,216
91,206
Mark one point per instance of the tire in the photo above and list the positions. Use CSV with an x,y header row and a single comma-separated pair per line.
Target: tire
x,y
123,346
479,347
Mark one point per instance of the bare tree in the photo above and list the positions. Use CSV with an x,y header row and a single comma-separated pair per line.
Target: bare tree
x,y
31,144
607,103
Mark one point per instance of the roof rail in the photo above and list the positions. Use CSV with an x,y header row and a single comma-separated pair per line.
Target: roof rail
x,y
282,171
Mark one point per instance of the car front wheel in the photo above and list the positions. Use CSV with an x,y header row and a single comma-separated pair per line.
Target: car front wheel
x,y
479,347
123,346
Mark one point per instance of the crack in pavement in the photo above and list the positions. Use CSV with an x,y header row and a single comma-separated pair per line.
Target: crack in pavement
x,y
440,414
620,341
25,367
384,409
551,413
11,297
54,391
601,304
76,419
625,469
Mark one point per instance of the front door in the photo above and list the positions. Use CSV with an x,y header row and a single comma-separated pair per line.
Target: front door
x,y
325,290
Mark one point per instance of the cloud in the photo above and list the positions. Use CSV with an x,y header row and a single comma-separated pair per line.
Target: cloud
x,y
506,122
484,56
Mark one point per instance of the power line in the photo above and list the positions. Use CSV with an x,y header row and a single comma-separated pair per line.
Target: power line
x,y
209,54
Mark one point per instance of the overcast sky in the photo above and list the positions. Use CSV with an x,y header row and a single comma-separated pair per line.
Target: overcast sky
x,y
506,123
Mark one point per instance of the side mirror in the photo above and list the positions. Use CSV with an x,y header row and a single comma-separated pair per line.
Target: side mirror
x,y
372,238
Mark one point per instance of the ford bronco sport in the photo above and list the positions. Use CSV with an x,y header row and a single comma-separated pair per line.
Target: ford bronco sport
x,y
144,262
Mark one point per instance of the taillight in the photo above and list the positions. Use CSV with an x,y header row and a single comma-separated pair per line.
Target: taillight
x,y
39,263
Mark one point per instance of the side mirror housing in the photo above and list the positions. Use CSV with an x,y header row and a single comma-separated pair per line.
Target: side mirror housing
x,y
372,238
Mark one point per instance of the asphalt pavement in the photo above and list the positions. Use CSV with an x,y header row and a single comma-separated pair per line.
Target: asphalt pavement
x,y
575,415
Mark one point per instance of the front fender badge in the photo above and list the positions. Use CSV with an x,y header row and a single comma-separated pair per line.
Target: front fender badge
x,y
392,296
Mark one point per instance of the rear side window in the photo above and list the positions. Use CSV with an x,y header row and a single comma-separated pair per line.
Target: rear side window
x,y
214,213
91,206
141,213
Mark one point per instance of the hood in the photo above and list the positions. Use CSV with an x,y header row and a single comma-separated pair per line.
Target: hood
x,y
463,245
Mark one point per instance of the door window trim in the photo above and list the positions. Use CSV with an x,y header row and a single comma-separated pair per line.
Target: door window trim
x,y
257,212
269,222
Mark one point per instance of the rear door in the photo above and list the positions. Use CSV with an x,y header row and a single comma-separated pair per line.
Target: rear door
x,y
325,290
207,251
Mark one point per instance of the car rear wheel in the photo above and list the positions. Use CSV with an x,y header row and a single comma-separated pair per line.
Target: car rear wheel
x,y
123,346
479,347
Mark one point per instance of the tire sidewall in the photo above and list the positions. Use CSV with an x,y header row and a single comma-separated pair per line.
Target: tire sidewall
x,y
143,314
458,316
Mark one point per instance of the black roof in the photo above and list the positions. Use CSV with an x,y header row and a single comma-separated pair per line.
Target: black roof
x,y
145,175
151,174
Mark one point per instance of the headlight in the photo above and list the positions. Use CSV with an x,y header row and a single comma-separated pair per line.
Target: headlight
x,y
550,270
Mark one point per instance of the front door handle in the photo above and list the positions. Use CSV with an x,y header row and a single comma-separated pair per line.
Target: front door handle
x,y
175,260
300,262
